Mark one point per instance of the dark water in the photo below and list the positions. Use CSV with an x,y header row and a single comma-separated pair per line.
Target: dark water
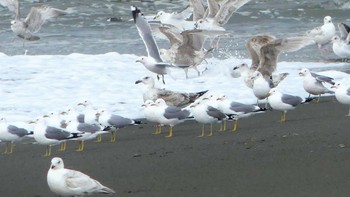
x,y
87,30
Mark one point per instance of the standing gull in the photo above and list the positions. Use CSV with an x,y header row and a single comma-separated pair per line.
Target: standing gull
x,y
323,34
341,47
261,86
313,83
114,122
67,182
283,102
149,110
10,133
88,132
170,115
178,99
342,94
38,15
206,114
48,135
239,110
153,62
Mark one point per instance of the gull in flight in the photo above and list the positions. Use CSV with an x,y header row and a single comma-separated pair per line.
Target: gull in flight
x,y
153,62
37,16
68,182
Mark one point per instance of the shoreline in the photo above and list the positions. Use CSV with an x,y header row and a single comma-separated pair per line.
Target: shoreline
x,y
305,156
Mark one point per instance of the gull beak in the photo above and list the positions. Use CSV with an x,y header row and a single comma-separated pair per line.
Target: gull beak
x,y
219,99
98,114
63,113
155,17
137,61
143,105
81,104
53,166
301,74
138,81
153,104
235,68
46,116
333,86
31,122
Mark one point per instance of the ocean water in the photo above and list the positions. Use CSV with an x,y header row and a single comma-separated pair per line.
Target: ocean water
x,y
82,56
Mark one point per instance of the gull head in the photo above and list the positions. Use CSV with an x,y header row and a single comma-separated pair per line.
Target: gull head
x,y
146,80
160,102
13,22
304,72
273,91
335,39
255,75
327,20
337,85
147,104
146,60
56,163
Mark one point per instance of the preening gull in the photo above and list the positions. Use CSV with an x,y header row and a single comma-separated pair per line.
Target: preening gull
x,y
169,115
323,34
342,94
240,110
178,99
153,62
67,182
38,15
313,83
341,47
10,133
283,102
206,114
48,135
114,122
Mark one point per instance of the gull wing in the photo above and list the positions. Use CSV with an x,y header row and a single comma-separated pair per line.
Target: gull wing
x,y
145,32
344,30
213,8
81,183
172,33
215,113
198,9
172,112
291,100
227,9
39,14
322,78
12,5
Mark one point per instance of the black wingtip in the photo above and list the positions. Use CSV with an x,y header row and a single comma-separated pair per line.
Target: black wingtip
x,y
309,99
138,122
135,11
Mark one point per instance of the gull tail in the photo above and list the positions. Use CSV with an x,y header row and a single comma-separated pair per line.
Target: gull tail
x,y
106,190
231,116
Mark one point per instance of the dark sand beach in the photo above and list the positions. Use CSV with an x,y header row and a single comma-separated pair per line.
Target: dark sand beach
x,y
308,155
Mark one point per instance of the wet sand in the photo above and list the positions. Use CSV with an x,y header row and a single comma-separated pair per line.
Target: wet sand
x,y
308,155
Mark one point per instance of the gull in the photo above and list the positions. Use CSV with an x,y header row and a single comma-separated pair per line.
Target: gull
x,y
243,71
240,110
70,114
89,113
68,182
341,47
219,15
178,99
114,122
344,30
261,86
265,49
342,94
322,34
149,110
10,133
313,83
187,47
283,102
177,19
169,115
54,119
206,114
48,135
153,62
88,131
37,16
